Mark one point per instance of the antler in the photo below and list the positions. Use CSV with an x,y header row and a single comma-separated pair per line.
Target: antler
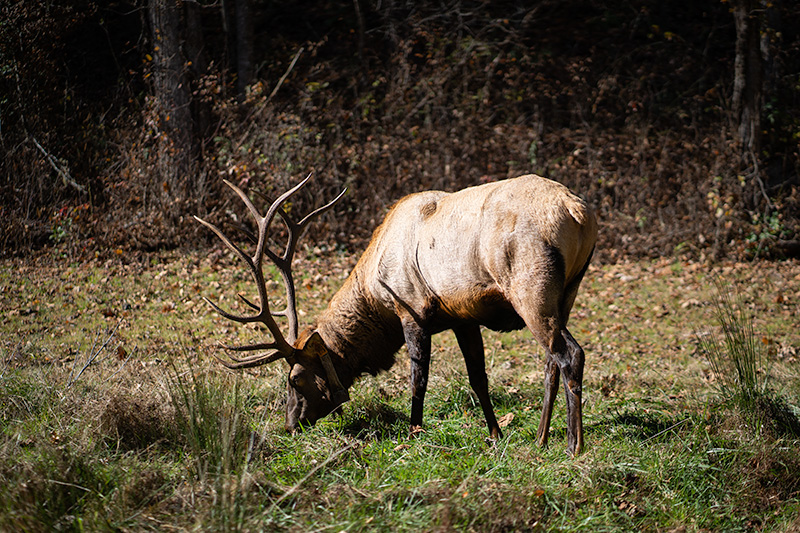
x,y
281,346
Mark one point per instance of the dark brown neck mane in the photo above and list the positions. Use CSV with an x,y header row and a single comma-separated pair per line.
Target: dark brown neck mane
x,y
362,335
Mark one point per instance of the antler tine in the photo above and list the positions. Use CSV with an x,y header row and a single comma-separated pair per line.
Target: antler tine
x,y
318,211
283,348
249,362
250,347
249,303
235,249
246,199
296,230
276,205
283,262
230,316
281,345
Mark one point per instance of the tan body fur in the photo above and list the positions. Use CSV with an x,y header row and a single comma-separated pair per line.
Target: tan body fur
x,y
504,255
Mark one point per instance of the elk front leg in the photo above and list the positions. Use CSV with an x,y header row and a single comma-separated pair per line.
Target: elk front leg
x,y
418,341
551,375
471,344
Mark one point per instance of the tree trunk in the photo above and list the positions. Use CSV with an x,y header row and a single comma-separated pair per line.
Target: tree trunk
x,y
198,65
172,98
237,23
749,75
244,47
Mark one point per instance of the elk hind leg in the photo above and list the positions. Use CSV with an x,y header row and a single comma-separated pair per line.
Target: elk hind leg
x,y
572,373
541,305
564,356
551,380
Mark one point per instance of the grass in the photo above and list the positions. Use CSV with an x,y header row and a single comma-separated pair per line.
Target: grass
x,y
740,363
152,435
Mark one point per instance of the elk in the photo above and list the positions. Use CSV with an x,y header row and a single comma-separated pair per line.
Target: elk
x,y
503,255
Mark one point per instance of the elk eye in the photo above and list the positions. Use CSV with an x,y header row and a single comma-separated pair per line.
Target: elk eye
x,y
298,381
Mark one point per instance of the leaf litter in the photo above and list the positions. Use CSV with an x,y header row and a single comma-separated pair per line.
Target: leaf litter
x,y
636,319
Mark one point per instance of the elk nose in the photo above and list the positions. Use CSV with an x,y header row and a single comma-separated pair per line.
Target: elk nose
x,y
293,428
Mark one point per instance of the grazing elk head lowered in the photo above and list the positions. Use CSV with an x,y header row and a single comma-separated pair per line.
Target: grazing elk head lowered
x,y
503,255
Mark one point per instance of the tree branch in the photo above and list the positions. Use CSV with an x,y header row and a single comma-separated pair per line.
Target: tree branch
x,y
63,172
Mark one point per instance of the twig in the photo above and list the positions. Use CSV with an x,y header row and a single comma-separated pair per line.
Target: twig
x,y
75,361
7,360
261,106
285,74
92,357
755,174
311,472
123,363
673,426
65,175
760,184
360,19
68,485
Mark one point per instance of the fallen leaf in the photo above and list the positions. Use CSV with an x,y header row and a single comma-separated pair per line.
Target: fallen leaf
x,y
691,302
505,420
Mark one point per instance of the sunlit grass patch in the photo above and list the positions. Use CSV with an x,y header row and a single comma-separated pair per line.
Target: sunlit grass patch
x,y
158,436
740,363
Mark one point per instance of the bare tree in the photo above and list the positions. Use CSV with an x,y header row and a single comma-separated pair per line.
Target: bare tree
x,y
237,18
748,75
172,96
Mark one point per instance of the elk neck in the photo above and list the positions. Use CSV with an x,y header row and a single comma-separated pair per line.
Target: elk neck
x,y
361,334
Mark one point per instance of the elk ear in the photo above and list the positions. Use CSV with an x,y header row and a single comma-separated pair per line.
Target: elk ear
x,y
314,346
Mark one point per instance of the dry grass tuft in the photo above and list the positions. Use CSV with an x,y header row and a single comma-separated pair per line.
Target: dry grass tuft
x,y
137,421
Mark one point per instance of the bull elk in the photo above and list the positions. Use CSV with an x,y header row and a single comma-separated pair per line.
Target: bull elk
x,y
503,255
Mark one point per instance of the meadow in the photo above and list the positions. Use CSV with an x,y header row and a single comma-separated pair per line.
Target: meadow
x,y
116,417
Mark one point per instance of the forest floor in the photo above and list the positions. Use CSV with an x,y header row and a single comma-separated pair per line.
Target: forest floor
x,y
114,415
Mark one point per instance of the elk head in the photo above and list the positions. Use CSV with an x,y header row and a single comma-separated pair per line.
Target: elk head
x,y
314,388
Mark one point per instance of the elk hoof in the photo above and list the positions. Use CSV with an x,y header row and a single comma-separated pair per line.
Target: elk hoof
x,y
573,451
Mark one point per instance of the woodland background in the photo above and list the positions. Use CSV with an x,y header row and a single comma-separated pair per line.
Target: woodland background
x,y
679,121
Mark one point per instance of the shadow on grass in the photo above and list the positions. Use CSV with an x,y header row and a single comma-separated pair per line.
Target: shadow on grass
x,y
639,425
769,412
779,416
375,419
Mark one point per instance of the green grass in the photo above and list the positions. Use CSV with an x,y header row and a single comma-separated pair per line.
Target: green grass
x,y
153,435
740,362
